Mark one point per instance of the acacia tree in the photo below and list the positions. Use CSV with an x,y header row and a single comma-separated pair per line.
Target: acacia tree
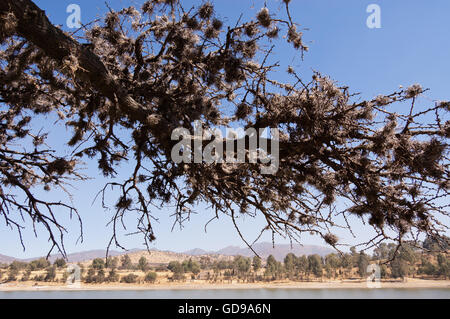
x,y
145,72
315,265
125,262
302,266
289,265
98,263
363,262
332,263
257,264
143,264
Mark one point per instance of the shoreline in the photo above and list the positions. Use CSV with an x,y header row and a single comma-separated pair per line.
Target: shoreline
x,y
409,284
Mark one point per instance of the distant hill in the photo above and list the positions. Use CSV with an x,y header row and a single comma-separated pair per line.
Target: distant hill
x,y
86,255
279,251
6,259
74,258
153,256
161,257
158,257
197,252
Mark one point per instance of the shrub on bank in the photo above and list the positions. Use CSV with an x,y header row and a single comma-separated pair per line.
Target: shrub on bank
x,y
129,279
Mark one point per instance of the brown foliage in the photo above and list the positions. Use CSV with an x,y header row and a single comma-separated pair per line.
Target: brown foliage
x,y
148,72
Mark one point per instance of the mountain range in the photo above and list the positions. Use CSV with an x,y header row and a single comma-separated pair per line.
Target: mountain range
x,y
75,257
279,251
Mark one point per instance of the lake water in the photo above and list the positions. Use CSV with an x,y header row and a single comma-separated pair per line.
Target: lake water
x,y
420,293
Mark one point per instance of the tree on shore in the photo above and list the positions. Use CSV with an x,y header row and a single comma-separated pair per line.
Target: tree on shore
x,y
39,264
143,264
150,277
112,263
443,266
271,267
60,263
18,265
101,276
130,279
98,264
346,261
257,263
403,265
301,266
382,251
113,276
50,274
177,270
12,274
290,265
90,276
332,263
26,275
242,266
363,263
436,243
125,262
315,265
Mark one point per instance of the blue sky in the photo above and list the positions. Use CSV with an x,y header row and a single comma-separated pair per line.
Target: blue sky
x,y
412,46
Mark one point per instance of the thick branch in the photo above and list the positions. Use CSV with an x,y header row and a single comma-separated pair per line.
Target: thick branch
x,y
33,25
